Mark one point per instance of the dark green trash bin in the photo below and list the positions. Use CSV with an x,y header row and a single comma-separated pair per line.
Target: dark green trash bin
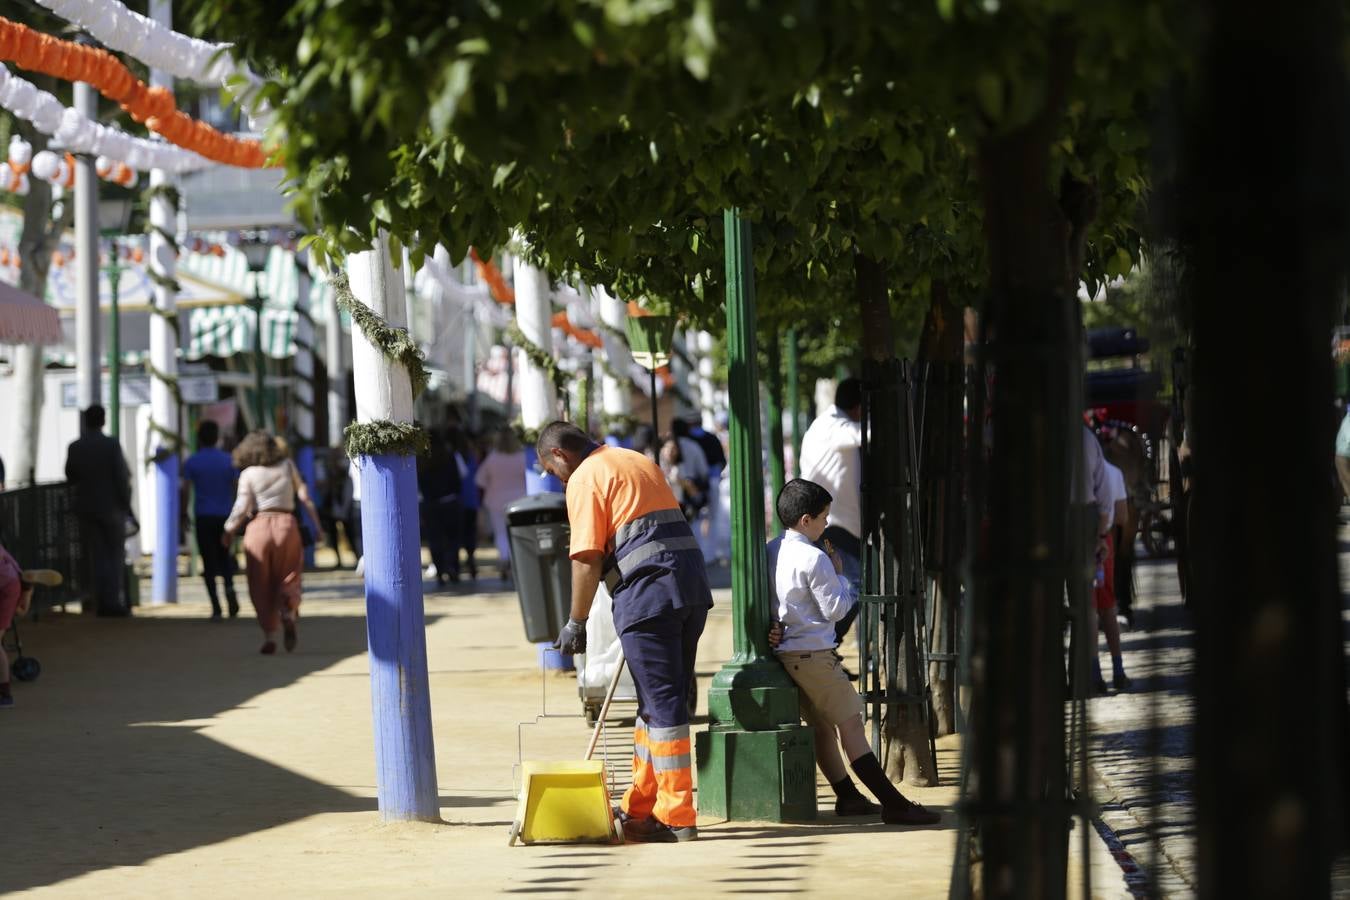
x,y
540,564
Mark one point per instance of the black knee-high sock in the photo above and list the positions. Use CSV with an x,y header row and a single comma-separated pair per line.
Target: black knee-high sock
x,y
870,773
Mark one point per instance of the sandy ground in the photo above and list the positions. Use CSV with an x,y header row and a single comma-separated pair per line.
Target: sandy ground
x,y
162,756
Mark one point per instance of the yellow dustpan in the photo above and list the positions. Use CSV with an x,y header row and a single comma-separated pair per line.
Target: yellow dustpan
x,y
567,802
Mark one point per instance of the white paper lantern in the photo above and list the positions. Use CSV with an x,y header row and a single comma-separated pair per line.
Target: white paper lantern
x,y
46,164
6,177
22,188
20,151
103,167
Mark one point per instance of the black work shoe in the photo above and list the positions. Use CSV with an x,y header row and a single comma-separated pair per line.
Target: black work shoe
x,y
855,805
1121,682
909,814
652,830
1100,687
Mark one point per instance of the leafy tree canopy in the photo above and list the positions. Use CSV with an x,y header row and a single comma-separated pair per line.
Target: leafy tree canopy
x,y
613,133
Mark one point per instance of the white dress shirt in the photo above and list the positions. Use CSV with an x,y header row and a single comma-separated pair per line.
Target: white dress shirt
x,y
809,595
1115,484
832,458
1090,485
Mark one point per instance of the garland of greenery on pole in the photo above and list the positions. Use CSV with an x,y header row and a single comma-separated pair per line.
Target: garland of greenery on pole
x,y
172,440
538,356
382,436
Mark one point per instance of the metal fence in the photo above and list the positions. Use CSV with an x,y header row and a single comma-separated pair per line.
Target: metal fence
x,y
39,529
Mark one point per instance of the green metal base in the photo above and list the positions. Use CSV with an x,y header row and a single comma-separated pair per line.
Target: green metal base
x,y
753,696
765,776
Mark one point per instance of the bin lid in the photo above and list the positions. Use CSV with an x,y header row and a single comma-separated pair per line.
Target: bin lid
x,y
549,506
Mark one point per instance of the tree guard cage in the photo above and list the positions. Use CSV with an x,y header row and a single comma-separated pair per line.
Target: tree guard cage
x,y
892,633
939,392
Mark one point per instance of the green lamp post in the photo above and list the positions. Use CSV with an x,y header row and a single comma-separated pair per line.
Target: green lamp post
x,y
649,340
114,213
756,761
257,247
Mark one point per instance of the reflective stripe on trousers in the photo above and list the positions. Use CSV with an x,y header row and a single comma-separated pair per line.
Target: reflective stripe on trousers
x,y
663,780
635,542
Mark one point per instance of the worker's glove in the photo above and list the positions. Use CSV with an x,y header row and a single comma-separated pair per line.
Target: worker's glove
x,y
572,639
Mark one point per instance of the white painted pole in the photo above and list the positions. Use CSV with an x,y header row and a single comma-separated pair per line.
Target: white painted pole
x,y
707,389
164,358
616,394
334,359
534,315
405,759
88,352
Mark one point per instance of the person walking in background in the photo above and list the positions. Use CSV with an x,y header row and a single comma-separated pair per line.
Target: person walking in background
x,y
466,457
1103,587
353,520
670,459
1343,455
210,475
501,478
97,470
832,458
707,529
273,552
438,481
335,500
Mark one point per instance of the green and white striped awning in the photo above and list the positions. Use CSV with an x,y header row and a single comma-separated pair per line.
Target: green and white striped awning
x,y
227,330
279,281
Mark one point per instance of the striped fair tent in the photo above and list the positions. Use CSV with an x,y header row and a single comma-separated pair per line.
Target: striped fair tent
x,y
227,330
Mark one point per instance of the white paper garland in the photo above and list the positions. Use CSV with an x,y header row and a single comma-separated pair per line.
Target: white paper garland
x,y
159,47
78,134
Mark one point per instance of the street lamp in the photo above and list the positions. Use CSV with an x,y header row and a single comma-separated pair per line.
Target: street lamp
x,y
650,338
256,245
113,215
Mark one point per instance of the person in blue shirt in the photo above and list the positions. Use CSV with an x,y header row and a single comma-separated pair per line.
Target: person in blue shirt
x,y
212,476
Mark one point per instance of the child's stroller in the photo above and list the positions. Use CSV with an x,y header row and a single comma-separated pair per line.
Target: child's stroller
x,y
27,668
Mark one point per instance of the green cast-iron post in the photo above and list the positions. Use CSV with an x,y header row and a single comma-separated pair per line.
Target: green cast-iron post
x,y
777,468
756,761
259,367
794,395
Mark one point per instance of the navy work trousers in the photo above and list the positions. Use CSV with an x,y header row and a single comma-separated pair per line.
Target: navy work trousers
x,y
660,653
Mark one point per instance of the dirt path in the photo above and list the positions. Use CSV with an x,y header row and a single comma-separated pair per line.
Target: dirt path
x,y
162,756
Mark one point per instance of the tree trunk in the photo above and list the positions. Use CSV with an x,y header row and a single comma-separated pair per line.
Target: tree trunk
x,y
40,238
905,749
941,488
1267,231
1023,546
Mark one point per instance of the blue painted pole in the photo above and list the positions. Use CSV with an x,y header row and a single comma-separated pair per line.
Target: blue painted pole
x,y
396,631
537,482
304,461
164,576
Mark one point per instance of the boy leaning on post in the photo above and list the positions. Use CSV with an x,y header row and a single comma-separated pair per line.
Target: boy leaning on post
x,y
810,596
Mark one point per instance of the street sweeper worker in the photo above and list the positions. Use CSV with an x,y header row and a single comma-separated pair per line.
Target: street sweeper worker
x,y
627,529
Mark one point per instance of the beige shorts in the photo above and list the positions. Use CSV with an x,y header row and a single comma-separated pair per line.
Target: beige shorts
x,y
824,693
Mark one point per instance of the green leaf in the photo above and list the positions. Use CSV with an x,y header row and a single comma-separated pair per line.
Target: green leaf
x,y
989,94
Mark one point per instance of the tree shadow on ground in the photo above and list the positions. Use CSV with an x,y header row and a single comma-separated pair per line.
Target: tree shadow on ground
x,y
113,769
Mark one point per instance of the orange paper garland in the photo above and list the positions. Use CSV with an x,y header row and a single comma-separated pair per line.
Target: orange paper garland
x,y
154,107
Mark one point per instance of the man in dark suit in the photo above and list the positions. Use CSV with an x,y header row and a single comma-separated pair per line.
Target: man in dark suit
x,y
98,471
